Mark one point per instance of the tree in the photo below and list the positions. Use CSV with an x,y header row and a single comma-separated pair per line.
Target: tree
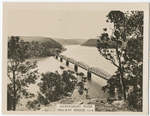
x,y
117,18
134,73
21,73
127,34
134,60
55,86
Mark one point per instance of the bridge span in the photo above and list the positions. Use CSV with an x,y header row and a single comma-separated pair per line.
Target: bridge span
x,y
97,71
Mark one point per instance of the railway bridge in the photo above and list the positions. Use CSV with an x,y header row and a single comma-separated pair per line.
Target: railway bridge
x,y
95,70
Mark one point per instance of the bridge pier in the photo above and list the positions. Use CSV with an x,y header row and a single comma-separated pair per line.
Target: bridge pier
x,y
61,59
89,75
56,57
67,63
76,68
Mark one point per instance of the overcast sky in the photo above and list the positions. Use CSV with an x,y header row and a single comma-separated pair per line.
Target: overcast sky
x,y
67,24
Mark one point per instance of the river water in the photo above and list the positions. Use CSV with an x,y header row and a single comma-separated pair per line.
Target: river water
x,y
88,55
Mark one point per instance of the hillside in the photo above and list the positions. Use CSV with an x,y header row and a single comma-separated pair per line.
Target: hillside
x,y
70,41
112,44
39,46
45,41
90,42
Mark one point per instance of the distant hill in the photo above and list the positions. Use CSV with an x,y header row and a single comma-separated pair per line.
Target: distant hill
x,y
81,41
90,42
70,41
46,41
112,44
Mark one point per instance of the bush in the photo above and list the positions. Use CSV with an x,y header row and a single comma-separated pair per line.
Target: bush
x,y
55,86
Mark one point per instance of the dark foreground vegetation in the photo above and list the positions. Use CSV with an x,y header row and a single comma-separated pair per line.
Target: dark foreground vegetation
x,y
22,73
55,86
127,34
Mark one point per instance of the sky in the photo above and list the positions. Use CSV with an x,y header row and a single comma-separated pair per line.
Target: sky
x,y
65,24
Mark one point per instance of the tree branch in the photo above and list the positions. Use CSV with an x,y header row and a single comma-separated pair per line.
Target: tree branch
x,y
112,62
9,78
109,59
18,89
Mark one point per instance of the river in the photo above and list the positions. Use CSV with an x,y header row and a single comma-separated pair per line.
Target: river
x,y
88,55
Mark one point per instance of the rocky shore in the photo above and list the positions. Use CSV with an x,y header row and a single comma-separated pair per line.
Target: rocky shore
x,y
101,105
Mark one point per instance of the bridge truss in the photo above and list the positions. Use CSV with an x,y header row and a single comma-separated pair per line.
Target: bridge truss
x,y
94,70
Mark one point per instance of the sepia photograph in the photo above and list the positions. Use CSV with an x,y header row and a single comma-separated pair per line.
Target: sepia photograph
x,y
75,58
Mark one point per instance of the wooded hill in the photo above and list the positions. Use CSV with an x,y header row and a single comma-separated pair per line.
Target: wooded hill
x,y
90,42
93,42
70,41
37,46
45,41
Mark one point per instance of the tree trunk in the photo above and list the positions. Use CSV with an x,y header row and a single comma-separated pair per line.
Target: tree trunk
x,y
121,73
14,97
122,85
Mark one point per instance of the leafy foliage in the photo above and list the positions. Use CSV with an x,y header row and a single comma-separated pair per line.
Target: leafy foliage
x,y
37,49
21,73
55,86
127,35
33,105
